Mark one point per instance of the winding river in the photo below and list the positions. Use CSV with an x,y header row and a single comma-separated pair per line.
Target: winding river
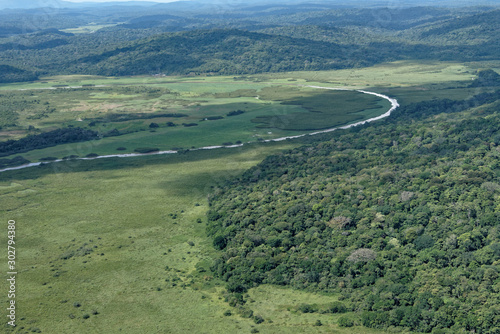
x,y
394,105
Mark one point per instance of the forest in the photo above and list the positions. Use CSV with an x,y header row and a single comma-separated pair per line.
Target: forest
x,y
244,40
401,221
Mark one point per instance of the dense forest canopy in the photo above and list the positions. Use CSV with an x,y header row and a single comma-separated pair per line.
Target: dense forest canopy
x,y
401,221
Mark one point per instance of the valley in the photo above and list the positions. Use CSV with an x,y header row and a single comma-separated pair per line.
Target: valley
x,y
185,176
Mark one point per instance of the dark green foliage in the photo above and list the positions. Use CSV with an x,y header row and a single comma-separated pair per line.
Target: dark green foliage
x,y
213,118
146,150
220,242
236,112
46,139
337,307
298,37
486,78
345,322
307,308
258,319
402,217
13,74
295,38
16,161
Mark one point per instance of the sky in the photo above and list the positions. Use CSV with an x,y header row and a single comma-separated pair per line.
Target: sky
x,y
119,0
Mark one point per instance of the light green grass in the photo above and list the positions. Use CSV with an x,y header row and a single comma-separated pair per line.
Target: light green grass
x,y
87,29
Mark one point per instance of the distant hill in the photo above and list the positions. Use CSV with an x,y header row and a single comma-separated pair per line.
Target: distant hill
x,y
227,51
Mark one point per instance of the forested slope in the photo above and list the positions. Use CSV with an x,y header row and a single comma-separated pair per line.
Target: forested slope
x,y
242,40
399,217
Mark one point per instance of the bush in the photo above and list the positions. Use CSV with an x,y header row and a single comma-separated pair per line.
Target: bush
x,y
146,150
220,242
307,308
337,307
345,322
245,312
258,319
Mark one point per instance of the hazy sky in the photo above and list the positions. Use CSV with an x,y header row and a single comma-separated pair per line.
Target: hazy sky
x,y
119,0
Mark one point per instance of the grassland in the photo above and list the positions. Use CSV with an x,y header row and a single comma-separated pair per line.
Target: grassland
x,y
275,105
186,114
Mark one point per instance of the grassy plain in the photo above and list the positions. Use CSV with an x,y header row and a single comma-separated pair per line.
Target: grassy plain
x,y
269,110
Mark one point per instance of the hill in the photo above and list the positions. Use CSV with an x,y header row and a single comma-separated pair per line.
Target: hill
x,y
176,39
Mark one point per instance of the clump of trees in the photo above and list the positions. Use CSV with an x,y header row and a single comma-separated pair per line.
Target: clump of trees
x,y
47,139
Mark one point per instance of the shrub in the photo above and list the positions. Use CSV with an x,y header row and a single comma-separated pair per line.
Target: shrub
x,y
146,150
345,322
307,308
337,307
258,319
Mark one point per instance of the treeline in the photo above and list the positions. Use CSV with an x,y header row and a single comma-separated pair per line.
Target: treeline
x,y
398,220
46,139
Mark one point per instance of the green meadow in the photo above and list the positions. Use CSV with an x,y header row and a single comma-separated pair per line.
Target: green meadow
x,y
175,114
